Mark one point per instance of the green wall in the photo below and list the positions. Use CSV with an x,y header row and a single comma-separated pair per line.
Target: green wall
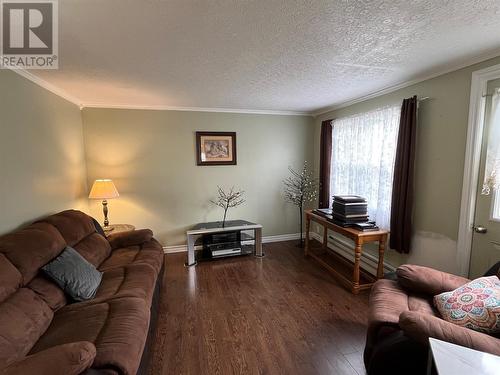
x,y
150,155
441,138
42,164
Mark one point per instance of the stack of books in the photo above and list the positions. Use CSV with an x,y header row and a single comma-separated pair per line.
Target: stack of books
x,y
366,227
348,210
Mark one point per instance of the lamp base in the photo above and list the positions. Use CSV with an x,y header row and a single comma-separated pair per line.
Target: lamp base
x,y
105,212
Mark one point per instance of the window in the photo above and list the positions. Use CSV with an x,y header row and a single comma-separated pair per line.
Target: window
x,y
363,153
492,168
495,206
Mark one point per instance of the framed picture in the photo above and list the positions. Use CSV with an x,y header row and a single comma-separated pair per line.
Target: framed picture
x,y
216,148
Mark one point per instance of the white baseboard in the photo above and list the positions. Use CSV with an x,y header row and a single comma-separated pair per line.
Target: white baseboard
x,y
265,239
281,237
346,249
174,249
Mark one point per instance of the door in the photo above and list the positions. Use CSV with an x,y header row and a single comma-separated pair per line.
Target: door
x,y
486,238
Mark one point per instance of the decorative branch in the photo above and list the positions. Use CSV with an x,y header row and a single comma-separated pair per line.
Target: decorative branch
x,y
300,188
227,200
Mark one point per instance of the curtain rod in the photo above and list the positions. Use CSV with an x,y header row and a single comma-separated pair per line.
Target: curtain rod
x,y
423,99
487,94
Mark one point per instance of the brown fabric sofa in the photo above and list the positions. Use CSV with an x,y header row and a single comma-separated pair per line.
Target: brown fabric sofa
x,y
43,332
402,318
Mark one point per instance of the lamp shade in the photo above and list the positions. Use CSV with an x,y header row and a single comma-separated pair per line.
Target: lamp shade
x,y
103,189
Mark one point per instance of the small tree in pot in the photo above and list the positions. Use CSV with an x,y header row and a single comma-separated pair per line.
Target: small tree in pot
x,y
227,200
299,189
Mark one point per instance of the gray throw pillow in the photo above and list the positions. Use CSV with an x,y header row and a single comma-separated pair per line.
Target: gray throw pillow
x,y
77,277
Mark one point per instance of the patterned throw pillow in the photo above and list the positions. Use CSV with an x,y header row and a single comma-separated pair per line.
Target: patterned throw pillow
x,y
475,305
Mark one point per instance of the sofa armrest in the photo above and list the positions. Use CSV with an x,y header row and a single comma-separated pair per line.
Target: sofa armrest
x,y
66,359
420,327
130,238
426,280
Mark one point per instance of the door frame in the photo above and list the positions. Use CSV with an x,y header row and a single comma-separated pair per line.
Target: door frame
x,y
475,129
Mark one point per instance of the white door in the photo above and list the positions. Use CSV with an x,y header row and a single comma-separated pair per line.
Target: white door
x,y
486,238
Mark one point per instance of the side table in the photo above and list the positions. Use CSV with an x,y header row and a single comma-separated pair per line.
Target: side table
x,y
117,228
452,359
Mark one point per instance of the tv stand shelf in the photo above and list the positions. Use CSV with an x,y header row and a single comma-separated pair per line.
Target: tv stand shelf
x,y
195,235
245,237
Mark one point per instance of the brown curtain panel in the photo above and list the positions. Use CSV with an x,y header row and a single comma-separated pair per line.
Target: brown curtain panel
x,y
324,163
402,189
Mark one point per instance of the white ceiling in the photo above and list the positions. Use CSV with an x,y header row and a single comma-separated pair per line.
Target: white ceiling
x,y
280,55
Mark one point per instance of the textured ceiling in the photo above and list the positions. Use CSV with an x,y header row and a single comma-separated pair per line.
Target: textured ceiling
x,y
263,54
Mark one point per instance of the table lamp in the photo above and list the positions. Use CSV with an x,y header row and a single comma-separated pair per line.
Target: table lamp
x,y
104,189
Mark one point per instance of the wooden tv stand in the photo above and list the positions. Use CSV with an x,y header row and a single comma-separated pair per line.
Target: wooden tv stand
x,y
359,238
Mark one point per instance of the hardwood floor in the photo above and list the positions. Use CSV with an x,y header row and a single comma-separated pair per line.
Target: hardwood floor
x,y
281,314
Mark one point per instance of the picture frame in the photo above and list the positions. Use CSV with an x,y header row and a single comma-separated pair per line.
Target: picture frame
x,y
215,148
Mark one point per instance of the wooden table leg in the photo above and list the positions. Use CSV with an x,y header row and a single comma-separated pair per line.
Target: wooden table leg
x,y
357,259
381,249
308,226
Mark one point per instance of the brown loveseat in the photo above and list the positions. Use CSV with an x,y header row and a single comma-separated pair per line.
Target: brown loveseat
x,y
43,332
402,318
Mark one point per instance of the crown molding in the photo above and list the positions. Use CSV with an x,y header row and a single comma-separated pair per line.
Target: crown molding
x,y
65,95
48,86
448,69
195,109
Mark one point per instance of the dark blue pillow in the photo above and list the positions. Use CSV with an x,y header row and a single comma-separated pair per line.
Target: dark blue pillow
x,y
77,277
98,227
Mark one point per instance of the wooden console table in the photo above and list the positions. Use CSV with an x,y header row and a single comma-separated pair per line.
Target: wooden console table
x,y
359,238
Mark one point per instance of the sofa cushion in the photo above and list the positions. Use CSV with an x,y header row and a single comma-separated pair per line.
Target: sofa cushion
x,y
95,248
135,280
74,274
73,225
10,278
150,253
475,305
49,291
30,248
24,317
118,329
67,359
425,280
421,326
387,301
130,238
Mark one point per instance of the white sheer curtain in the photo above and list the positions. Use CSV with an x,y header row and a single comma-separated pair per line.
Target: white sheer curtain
x,y
363,154
492,170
